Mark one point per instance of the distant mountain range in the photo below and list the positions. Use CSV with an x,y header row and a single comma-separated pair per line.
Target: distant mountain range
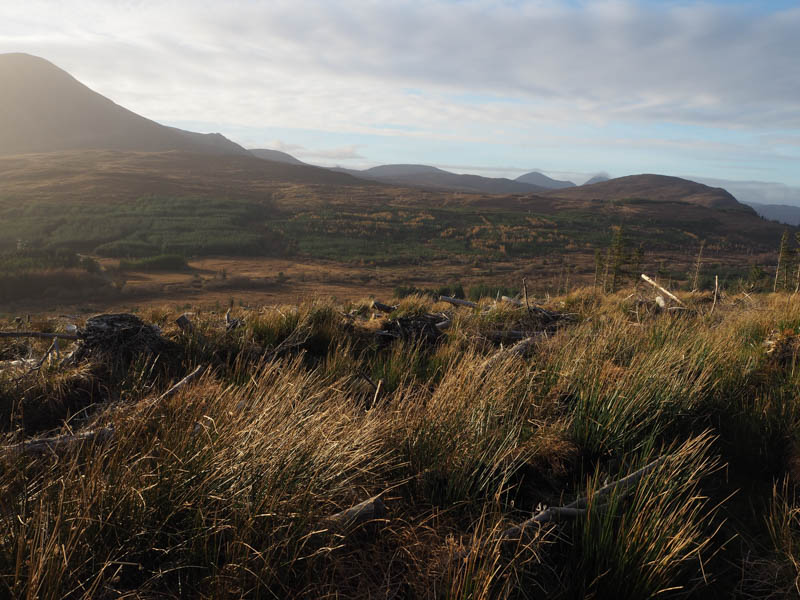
x,y
43,109
434,178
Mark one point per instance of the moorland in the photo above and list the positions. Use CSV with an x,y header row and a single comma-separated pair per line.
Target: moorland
x,y
286,407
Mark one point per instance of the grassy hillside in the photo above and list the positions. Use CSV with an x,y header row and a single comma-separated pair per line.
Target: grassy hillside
x,y
138,206
121,204
226,489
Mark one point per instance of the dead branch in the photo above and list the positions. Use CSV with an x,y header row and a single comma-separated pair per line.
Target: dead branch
x,y
38,334
511,335
579,506
177,387
510,300
664,291
518,349
458,301
37,446
441,326
716,291
369,510
385,308
58,442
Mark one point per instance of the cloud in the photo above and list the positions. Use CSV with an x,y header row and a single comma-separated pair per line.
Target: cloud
x,y
299,151
472,72
295,58
346,153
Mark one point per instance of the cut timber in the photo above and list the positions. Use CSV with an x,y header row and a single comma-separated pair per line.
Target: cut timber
x,y
716,292
518,349
521,347
458,301
386,308
664,291
178,386
511,335
38,334
185,323
579,506
38,446
120,337
369,510
61,441
513,301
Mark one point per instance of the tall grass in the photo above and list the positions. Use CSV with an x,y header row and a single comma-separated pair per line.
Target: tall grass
x,y
224,489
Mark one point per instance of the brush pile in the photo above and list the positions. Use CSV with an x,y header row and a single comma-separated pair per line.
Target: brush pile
x,y
122,336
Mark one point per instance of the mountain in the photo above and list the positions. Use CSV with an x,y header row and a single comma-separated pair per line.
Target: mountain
x,y
542,180
275,156
655,188
108,176
425,176
599,178
45,109
783,213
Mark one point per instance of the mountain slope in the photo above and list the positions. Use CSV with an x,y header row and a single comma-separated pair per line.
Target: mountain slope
x,y
433,178
45,109
104,176
275,156
542,180
656,188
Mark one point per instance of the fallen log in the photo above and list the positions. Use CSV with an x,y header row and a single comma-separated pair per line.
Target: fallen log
x,y
385,308
513,301
185,323
458,301
518,349
663,290
372,509
39,335
512,335
40,445
579,506
177,387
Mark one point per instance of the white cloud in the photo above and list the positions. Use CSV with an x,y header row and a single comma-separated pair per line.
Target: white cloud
x,y
344,63
476,71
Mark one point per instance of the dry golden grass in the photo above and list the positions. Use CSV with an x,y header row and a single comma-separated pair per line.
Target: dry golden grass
x,y
223,490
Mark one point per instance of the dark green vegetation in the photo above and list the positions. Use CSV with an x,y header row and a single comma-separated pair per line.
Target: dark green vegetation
x,y
59,273
221,491
146,227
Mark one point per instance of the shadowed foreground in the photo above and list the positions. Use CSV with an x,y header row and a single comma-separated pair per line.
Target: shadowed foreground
x,y
231,486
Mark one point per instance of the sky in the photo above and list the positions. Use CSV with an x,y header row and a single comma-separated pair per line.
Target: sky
x,y
494,87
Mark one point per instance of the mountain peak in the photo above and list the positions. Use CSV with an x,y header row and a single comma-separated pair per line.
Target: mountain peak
x,y
540,179
655,188
43,109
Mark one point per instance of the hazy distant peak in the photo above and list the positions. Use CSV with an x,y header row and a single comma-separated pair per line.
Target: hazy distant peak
x,y
599,178
400,170
540,179
44,109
